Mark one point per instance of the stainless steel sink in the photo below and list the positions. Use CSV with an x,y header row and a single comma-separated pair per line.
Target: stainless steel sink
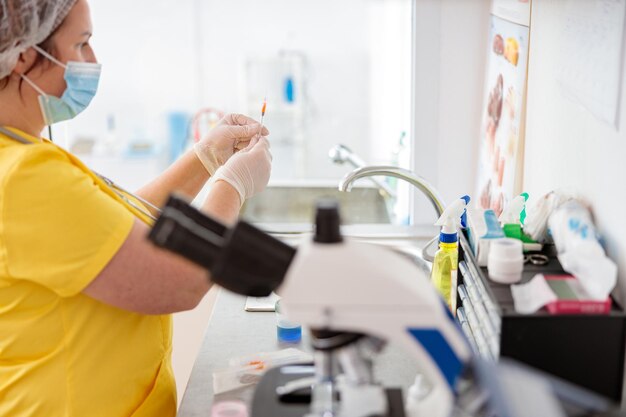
x,y
295,203
287,211
409,241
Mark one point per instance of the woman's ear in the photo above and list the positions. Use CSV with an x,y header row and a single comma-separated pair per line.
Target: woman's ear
x,y
25,61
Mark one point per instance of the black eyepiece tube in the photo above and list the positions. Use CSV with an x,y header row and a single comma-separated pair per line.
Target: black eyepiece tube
x,y
187,232
244,259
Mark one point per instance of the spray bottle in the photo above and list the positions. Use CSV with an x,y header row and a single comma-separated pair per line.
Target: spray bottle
x,y
512,221
513,216
446,263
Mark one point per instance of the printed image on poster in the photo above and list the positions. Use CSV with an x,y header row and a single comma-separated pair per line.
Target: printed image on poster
x,y
501,130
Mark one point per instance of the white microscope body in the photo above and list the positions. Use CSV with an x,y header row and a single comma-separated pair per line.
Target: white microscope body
x,y
354,297
364,288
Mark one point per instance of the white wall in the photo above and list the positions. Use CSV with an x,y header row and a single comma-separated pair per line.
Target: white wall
x,y
390,26
159,56
450,55
566,146
146,71
334,37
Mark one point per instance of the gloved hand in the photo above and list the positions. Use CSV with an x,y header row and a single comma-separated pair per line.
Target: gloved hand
x,y
230,135
248,171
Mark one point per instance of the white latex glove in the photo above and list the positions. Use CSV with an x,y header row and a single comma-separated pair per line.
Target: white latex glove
x,y
248,171
230,135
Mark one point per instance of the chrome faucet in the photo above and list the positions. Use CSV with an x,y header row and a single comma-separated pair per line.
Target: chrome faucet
x,y
404,174
341,154
396,172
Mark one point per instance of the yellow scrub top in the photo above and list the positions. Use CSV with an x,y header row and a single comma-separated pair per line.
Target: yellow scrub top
x,y
63,353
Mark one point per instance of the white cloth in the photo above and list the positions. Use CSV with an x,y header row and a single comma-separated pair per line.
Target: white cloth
x,y
533,295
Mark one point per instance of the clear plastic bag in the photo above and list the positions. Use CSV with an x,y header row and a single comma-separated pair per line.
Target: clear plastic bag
x,y
248,370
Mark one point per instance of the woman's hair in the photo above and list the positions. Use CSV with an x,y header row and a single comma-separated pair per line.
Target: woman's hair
x,y
48,46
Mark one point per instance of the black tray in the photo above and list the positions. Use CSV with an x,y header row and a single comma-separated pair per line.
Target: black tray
x,y
587,350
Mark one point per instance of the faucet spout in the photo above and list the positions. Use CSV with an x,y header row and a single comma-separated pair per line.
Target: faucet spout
x,y
396,172
340,154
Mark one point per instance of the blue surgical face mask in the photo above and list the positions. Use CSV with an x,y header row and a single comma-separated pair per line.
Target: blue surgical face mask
x,y
82,83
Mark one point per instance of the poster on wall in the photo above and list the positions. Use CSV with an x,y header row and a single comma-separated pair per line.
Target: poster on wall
x,y
502,129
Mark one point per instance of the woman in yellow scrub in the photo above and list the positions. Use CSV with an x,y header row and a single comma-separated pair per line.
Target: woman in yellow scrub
x,y
85,299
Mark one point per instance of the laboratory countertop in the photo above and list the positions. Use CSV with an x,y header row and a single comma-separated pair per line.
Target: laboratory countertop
x,y
233,332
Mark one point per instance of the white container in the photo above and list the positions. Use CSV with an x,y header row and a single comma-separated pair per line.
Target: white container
x,y
506,261
580,252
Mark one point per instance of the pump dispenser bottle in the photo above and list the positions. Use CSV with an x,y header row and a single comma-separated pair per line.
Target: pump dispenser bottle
x,y
446,263
513,216
512,220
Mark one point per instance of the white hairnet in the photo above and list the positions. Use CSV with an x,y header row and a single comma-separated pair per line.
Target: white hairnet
x,y
24,23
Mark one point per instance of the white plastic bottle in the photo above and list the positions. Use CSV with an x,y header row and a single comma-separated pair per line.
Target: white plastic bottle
x,y
579,250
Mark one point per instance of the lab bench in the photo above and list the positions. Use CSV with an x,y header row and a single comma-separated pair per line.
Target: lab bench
x,y
587,350
233,332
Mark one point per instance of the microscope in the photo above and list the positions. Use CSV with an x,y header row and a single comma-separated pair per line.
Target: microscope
x,y
354,298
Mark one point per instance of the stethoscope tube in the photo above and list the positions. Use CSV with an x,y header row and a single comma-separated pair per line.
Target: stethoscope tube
x,y
119,191
122,193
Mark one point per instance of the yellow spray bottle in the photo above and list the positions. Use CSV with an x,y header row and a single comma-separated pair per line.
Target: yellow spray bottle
x,y
446,263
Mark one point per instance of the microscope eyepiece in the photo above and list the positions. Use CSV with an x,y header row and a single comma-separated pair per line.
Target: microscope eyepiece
x,y
327,222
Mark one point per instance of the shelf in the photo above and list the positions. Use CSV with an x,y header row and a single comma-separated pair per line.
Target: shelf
x,y
585,349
